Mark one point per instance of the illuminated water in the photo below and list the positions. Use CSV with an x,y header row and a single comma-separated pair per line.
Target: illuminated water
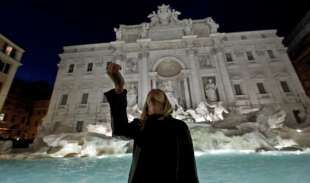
x,y
212,168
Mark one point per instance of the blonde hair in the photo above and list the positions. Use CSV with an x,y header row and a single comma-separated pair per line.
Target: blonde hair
x,y
157,97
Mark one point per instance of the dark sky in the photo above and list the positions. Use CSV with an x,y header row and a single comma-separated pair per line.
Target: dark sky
x,y
43,27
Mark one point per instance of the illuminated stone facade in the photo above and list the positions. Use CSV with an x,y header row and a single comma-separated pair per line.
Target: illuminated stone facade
x,y
189,59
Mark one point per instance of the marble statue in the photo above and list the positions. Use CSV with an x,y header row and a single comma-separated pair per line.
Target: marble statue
x,y
145,30
210,89
168,89
131,66
219,109
164,16
214,26
154,18
188,29
174,16
132,93
164,12
202,109
118,34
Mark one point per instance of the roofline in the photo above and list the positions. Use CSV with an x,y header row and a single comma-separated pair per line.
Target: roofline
x,y
87,45
274,31
10,42
107,44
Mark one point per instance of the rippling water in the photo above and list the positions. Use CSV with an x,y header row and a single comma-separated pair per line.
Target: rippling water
x,y
212,168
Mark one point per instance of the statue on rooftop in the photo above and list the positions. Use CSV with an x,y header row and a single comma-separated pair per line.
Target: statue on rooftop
x,y
188,29
213,24
118,34
145,30
164,16
154,18
174,16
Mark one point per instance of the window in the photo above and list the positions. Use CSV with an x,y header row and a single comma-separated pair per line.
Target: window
x,y
6,69
238,90
71,68
90,67
250,55
228,57
263,36
84,98
79,126
284,86
64,99
297,116
225,38
13,53
243,37
261,88
270,53
8,50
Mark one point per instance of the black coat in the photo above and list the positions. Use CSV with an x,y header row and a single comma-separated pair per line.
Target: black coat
x,y
163,150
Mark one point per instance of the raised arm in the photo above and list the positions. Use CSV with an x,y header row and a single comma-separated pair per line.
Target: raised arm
x,y
117,99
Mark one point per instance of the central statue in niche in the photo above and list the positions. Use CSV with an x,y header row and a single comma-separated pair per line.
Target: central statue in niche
x,y
169,78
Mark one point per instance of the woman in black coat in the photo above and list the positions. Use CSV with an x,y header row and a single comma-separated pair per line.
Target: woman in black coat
x,y
163,150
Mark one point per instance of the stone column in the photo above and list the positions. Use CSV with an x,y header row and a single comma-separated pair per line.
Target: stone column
x,y
186,89
153,79
224,84
195,78
187,97
145,84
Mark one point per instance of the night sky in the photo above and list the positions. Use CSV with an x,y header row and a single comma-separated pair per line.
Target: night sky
x,y
43,27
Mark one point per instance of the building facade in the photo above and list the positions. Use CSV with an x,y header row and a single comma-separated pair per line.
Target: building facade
x,y
24,109
16,110
189,59
299,51
10,60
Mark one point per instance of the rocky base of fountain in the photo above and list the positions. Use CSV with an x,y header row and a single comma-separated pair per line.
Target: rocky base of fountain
x,y
5,146
254,130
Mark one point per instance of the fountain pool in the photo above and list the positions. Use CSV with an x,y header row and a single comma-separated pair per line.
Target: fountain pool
x,y
212,168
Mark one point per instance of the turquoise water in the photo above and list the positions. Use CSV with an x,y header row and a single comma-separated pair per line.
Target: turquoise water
x,y
212,168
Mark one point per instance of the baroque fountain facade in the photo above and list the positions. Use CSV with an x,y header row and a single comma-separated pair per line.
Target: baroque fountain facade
x,y
206,74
